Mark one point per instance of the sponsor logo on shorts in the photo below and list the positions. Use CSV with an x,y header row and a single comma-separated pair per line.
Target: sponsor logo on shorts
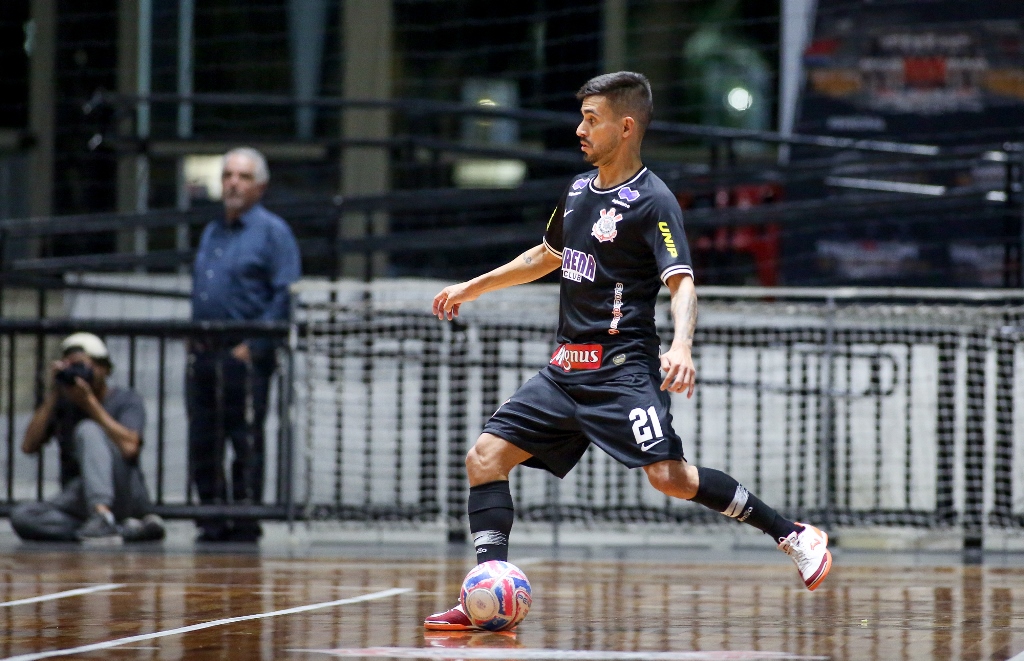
x,y
577,357
616,311
577,265
646,427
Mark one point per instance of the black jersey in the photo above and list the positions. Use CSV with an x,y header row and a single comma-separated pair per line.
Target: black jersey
x,y
617,246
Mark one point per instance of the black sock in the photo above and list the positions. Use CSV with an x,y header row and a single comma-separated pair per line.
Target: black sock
x,y
724,494
490,520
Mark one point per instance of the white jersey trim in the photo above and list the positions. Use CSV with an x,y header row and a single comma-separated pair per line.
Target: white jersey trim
x,y
550,249
622,185
676,269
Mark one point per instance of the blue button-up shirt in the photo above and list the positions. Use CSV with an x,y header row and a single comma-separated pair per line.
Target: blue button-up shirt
x,y
243,269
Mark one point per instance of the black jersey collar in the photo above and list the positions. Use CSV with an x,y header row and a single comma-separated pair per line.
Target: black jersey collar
x,y
602,191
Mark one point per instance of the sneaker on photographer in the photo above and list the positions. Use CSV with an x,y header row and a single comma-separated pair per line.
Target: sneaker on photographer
x,y
100,528
148,529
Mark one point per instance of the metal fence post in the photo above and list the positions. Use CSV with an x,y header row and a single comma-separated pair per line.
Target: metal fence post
x,y
286,437
827,419
554,486
430,504
456,477
974,450
40,384
161,380
945,428
11,403
1002,506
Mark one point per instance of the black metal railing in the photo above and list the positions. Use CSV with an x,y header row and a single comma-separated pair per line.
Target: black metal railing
x,y
426,219
854,189
852,407
150,357
838,405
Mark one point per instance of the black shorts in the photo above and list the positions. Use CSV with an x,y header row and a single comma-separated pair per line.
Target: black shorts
x,y
628,417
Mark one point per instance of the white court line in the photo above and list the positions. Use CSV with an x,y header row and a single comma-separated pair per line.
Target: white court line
x,y
536,654
205,625
61,595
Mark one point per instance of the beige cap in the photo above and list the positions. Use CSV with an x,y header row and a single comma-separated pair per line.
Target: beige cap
x,y
87,342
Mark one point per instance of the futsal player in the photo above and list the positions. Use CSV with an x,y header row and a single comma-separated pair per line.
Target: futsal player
x,y
617,234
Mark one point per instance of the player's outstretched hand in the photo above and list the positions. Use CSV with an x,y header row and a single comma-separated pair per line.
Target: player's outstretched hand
x,y
680,375
451,298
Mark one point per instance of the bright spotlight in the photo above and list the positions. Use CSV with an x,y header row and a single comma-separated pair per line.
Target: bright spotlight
x,y
739,99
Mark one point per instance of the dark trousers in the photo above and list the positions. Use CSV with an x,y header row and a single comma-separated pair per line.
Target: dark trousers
x,y
107,479
227,403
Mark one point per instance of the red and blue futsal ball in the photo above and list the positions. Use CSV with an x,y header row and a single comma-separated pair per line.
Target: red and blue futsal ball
x,y
496,595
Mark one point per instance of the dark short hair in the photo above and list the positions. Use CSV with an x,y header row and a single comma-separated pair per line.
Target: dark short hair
x,y
628,92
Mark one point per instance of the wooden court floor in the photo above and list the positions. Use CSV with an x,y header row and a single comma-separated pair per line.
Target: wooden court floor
x,y
130,605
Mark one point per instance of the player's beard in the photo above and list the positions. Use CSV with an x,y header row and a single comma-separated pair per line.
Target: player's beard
x,y
598,155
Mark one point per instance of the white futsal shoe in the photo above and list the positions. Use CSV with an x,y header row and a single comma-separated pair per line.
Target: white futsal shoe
x,y
809,550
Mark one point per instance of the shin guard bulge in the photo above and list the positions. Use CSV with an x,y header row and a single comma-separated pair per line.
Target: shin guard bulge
x,y
490,519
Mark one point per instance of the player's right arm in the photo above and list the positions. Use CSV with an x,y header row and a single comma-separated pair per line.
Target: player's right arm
x,y
535,263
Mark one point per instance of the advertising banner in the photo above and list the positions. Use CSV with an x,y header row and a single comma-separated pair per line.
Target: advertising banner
x,y
921,70
945,72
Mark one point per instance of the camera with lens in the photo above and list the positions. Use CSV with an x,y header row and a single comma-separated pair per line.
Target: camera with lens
x,y
67,375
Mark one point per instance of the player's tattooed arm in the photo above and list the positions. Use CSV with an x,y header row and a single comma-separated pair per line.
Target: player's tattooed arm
x,y
684,310
677,362
689,313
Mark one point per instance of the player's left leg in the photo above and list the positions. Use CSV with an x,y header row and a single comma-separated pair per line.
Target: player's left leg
x,y
535,424
491,513
490,508
720,492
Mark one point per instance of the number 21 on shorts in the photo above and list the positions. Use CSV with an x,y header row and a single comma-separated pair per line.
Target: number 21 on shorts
x,y
642,431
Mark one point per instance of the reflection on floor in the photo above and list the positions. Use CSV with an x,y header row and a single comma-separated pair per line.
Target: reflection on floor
x,y
243,606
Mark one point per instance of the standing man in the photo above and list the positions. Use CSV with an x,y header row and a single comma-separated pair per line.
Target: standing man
x,y
246,262
617,235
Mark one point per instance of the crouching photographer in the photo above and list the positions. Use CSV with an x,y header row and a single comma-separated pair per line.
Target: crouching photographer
x,y
98,427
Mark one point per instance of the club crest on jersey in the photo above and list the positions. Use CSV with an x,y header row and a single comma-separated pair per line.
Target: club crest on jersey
x,y
604,228
577,265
